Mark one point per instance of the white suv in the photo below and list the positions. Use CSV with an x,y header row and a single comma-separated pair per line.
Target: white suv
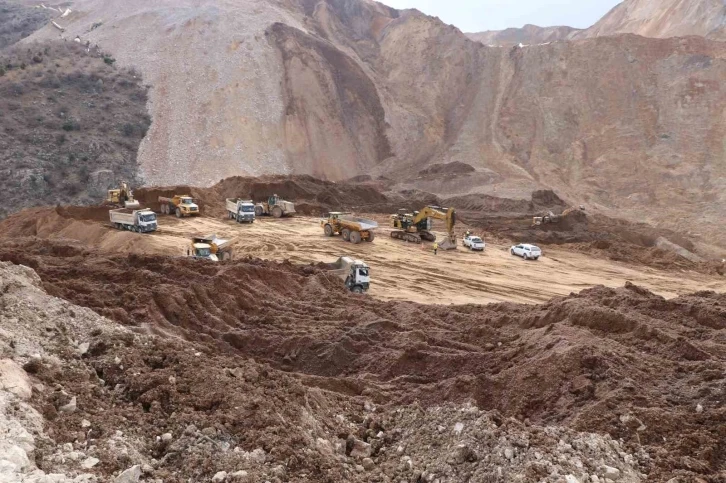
x,y
474,243
526,251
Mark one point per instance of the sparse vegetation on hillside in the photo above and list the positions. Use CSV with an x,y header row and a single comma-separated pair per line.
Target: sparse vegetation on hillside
x,y
18,22
70,125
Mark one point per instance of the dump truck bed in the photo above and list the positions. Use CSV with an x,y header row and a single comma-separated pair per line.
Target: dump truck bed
x,y
356,223
341,267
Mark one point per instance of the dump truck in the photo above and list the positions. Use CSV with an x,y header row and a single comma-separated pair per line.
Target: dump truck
x,y
202,251
274,206
140,221
351,228
551,218
355,273
122,197
243,211
179,205
219,249
415,227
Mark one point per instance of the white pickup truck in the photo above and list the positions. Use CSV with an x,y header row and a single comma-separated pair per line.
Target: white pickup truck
x,y
474,243
243,211
140,221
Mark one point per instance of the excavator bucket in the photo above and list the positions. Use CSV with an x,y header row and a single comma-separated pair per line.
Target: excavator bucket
x,y
448,243
133,204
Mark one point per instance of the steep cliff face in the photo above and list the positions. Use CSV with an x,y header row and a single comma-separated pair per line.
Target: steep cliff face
x,y
663,18
338,88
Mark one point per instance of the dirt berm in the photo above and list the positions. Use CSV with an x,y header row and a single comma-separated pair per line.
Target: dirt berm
x,y
624,362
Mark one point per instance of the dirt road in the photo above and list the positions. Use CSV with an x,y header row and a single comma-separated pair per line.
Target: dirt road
x,y
404,271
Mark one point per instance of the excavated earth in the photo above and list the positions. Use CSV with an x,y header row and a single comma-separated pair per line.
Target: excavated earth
x,y
208,345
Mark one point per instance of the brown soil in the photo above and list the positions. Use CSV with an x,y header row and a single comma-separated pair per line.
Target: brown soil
x,y
604,360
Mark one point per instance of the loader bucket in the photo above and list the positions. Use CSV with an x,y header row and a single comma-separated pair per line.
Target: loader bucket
x,y
448,243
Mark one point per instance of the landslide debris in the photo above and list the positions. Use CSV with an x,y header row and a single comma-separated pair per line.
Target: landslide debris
x,y
71,126
103,403
621,362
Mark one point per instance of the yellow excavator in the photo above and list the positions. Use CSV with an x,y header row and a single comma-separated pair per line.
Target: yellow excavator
x,y
415,227
122,197
550,217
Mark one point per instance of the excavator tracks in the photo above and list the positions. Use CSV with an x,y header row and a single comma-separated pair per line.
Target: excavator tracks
x,y
407,237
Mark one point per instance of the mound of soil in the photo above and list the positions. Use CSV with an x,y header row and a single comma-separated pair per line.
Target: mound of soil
x,y
311,196
172,410
624,362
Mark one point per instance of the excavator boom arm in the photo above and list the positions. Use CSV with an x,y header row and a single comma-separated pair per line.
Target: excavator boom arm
x,y
430,212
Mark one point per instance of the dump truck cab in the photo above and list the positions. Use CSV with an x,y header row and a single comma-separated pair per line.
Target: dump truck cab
x,y
359,278
203,251
246,211
219,248
187,204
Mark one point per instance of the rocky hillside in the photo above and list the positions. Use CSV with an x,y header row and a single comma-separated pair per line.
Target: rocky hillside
x,y
71,124
663,18
527,35
18,21
338,88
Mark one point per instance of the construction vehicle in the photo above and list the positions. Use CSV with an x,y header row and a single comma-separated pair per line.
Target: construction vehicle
x,y
416,227
122,197
551,218
202,251
139,221
356,273
274,206
211,247
351,228
241,210
179,205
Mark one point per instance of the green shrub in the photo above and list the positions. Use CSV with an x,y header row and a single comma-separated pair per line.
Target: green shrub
x,y
108,60
71,125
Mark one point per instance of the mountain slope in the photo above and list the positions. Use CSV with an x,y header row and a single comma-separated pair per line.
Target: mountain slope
x,y
663,18
528,35
338,88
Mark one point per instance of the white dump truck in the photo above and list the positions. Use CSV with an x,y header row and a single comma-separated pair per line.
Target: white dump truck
x,y
140,221
243,211
355,273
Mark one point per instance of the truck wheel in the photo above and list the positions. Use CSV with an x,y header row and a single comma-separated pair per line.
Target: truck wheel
x,y
328,230
277,212
259,211
355,237
357,289
178,213
345,234
371,236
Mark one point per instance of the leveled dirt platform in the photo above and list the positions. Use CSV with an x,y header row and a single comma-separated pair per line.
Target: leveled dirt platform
x,y
400,271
